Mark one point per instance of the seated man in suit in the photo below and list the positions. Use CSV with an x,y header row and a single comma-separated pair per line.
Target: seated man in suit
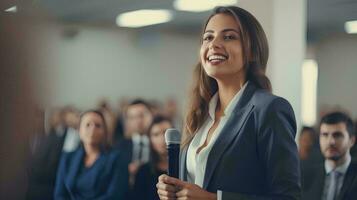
x,y
336,178
138,117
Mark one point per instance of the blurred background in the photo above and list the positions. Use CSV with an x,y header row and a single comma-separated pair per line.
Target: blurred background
x,y
61,57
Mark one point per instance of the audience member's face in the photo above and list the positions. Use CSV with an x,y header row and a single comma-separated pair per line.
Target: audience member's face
x,y
306,140
335,141
92,129
221,50
157,137
139,118
56,119
72,119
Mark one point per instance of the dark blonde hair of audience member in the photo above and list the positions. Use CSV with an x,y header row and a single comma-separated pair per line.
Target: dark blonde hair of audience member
x,y
107,142
154,156
255,58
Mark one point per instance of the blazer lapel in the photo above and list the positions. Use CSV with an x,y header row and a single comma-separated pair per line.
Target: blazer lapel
x,y
229,132
73,168
347,182
183,171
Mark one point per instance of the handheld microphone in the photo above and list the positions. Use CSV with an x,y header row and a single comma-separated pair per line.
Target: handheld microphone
x,y
173,140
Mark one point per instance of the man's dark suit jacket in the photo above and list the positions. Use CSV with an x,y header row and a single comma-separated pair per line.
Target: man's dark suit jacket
x,y
126,147
106,180
314,181
255,155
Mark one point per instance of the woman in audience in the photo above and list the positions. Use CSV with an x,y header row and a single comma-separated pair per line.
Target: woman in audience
x,y
93,171
146,178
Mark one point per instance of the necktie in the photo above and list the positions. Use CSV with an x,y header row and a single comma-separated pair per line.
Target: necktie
x,y
333,187
141,146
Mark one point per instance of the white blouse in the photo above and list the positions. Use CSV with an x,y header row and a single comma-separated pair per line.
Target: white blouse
x,y
196,162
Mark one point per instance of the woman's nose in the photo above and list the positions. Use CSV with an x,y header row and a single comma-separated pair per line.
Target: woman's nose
x,y
215,43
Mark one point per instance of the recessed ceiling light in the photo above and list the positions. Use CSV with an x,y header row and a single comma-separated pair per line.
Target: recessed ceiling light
x,y
140,18
201,5
13,9
351,27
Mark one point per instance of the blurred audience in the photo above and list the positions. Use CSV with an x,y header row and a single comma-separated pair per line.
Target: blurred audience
x,y
93,171
336,177
148,174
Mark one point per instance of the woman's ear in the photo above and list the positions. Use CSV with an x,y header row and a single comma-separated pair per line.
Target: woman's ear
x,y
352,140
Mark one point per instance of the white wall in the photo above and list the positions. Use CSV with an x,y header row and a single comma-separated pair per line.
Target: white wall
x,y
337,83
108,62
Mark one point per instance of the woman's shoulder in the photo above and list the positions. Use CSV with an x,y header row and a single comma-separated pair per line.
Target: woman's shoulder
x,y
263,99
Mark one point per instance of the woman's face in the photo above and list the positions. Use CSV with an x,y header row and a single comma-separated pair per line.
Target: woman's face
x,y
157,137
221,51
92,130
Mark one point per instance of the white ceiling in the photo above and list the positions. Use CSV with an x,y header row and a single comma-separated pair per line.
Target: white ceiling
x,y
324,17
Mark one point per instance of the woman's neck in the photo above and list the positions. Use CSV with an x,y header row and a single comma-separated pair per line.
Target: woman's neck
x,y
92,153
227,89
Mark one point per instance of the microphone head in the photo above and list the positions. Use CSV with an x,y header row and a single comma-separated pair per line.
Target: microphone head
x,y
172,136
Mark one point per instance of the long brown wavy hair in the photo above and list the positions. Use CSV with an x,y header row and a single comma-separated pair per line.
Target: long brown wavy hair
x,y
255,57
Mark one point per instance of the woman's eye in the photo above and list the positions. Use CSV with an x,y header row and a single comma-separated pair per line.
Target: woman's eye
x,y
208,38
229,37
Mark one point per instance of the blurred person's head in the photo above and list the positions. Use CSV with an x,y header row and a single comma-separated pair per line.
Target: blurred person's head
x,y
157,138
56,118
103,104
156,107
93,129
71,117
233,39
307,139
138,116
336,136
170,108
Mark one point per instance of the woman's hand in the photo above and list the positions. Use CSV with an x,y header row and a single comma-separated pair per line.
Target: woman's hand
x,y
170,188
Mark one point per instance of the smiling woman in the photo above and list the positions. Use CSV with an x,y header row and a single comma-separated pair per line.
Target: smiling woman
x,y
239,138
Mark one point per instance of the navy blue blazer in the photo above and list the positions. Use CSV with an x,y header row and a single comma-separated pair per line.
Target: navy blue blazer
x,y
107,178
255,156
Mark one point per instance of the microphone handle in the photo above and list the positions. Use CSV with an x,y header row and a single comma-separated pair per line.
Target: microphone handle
x,y
173,154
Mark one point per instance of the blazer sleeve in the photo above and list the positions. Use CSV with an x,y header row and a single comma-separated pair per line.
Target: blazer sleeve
x,y
277,151
61,192
118,184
